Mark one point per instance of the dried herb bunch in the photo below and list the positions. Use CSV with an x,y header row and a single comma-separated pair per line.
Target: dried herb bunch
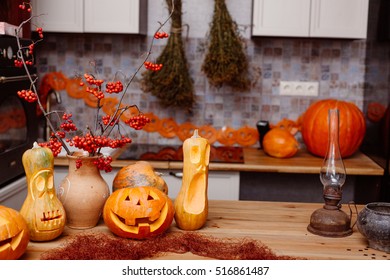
x,y
225,61
172,85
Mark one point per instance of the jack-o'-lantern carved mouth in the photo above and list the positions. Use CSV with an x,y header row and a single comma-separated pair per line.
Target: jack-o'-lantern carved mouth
x,y
50,220
134,225
138,221
12,242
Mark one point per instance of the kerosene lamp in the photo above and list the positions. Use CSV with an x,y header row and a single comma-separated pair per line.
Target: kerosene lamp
x,y
330,220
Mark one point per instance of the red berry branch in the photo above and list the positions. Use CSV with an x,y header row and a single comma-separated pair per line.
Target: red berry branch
x,y
91,140
28,95
161,35
153,66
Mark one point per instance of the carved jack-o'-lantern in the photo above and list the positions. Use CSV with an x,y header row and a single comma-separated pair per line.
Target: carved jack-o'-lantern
x,y
138,213
14,234
42,210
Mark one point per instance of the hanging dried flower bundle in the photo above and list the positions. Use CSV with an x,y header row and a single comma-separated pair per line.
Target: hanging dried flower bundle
x,y
225,61
172,84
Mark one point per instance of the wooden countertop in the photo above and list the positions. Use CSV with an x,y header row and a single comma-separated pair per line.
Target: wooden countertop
x,y
257,161
303,162
279,225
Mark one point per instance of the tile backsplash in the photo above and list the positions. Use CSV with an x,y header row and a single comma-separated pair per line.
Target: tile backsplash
x,y
352,70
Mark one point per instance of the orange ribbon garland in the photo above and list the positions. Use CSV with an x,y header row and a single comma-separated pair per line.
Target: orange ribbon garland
x,y
168,128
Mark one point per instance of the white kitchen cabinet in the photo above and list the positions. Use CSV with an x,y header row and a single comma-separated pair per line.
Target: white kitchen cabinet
x,y
311,18
281,17
58,15
91,16
115,16
339,18
222,185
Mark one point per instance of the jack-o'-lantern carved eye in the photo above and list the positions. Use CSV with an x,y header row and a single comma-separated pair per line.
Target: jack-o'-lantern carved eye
x,y
14,234
139,203
138,213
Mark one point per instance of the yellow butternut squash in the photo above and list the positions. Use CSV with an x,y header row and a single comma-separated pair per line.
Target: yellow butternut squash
x,y
42,210
191,204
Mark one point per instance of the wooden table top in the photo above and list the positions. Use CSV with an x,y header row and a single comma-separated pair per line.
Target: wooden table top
x,y
282,226
256,160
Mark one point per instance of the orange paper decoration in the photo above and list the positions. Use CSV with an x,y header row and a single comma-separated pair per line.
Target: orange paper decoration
x,y
168,128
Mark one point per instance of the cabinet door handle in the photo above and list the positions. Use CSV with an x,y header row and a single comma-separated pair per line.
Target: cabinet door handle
x,y
4,80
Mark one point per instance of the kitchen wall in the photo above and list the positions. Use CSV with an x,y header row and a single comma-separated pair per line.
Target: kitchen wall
x,y
352,70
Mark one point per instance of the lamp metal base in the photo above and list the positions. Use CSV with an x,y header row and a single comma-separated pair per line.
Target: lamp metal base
x,y
330,223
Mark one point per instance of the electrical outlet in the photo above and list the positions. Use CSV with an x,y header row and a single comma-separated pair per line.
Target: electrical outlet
x,y
299,88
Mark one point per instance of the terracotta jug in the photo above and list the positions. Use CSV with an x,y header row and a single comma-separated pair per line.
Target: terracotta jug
x,y
83,192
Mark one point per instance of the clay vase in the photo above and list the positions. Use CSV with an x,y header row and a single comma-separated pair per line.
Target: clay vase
x,y
373,223
83,192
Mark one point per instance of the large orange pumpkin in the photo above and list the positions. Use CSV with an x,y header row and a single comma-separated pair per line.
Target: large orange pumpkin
x,y
138,174
280,143
315,127
138,213
14,234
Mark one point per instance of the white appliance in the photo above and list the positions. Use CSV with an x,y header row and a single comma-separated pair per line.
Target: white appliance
x,y
14,194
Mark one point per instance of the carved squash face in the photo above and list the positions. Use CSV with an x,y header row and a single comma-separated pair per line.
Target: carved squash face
x,y
138,213
14,234
42,210
48,211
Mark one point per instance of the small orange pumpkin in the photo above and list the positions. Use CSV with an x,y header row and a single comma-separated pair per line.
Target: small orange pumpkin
x,y
315,127
280,143
138,213
139,174
14,234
